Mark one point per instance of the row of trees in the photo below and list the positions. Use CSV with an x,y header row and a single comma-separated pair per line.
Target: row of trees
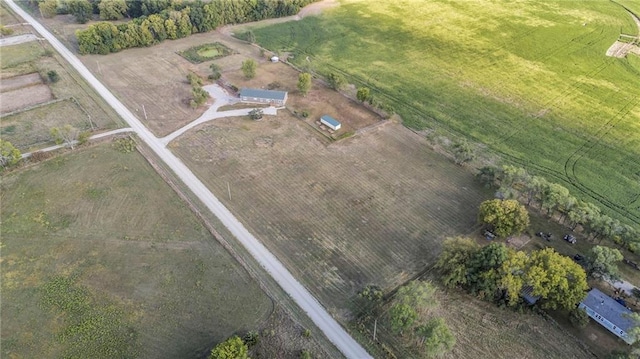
x,y
199,95
497,273
178,19
557,203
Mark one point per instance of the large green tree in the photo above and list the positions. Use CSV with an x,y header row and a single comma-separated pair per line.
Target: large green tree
x,y
232,348
304,83
82,10
557,279
363,94
601,262
452,263
484,269
112,9
504,217
436,336
48,8
336,81
402,317
249,68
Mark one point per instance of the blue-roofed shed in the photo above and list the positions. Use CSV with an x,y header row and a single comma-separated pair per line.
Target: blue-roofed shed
x,y
527,295
609,313
330,122
263,96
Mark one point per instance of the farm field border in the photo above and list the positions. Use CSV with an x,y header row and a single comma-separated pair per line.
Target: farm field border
x,y
506,119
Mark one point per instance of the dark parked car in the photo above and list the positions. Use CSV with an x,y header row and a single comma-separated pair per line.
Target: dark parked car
x,y
543,235
570,238
578,258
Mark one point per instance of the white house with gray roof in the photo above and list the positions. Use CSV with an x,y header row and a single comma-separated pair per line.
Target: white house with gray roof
x,y
276,98
608,313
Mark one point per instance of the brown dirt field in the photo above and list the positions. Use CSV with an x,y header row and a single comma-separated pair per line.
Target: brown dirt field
x,y
17,82
369,209
319,101
27,96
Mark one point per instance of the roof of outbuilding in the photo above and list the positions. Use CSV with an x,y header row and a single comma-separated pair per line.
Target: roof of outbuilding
x,y
330,120
270,94
527,295
609,309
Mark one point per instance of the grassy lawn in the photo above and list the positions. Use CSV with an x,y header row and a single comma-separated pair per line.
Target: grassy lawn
x,y
530,82
100,259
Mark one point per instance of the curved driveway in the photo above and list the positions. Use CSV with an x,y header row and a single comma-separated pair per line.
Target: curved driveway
x,y
334,332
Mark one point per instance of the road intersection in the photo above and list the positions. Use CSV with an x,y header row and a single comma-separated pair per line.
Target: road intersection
x,y
307,302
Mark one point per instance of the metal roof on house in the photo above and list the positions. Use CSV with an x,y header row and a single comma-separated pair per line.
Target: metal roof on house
x,y
330,120
269,94
609,309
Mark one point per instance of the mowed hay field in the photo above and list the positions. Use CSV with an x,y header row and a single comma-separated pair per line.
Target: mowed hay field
x,y
530,81
101,259
369,209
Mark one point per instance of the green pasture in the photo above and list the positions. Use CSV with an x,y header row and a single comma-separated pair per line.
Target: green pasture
x,y
101,259
528,81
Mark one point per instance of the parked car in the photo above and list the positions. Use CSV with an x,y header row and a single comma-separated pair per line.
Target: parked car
x,y
543,235
570,238
578,258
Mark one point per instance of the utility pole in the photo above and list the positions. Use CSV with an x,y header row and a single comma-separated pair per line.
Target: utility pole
x,y
229,190
145,112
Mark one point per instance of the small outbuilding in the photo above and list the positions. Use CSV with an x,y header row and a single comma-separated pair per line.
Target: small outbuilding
x,y
330,122
275,59
527,295
277,98
608,313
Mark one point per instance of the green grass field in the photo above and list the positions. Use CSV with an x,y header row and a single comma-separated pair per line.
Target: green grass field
x,y
529,81
101,259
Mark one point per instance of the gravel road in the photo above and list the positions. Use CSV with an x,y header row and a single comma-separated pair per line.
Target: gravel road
x,y
334,332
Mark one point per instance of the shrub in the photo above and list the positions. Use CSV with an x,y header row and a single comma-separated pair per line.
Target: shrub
x,y
53,76
125,145
251,338
579,318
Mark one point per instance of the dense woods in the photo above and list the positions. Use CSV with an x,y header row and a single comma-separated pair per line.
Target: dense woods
x,y
154,21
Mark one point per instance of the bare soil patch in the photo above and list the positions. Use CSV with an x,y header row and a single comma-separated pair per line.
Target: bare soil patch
x,y
14,83
620,49
369,209
24,97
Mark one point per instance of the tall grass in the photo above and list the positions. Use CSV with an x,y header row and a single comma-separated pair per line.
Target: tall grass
x,y
528,80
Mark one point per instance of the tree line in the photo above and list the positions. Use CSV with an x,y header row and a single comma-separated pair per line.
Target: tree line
x,y
154,21
557,203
